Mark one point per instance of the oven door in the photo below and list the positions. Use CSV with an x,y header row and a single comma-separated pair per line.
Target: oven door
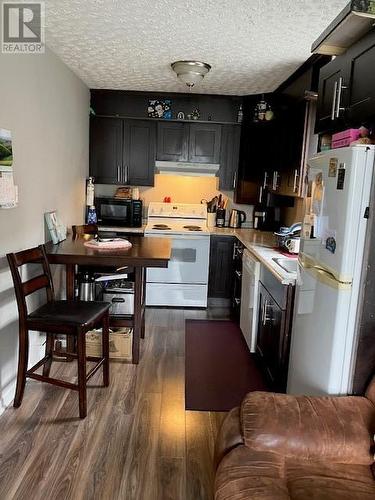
x,y
189,260
113,212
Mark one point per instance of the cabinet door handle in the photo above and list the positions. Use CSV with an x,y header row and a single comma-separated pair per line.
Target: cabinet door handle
x,y
263,313
127,173
333,110
118,174
295,183
265,180
260,194
339,94
234,180
275,179
265,317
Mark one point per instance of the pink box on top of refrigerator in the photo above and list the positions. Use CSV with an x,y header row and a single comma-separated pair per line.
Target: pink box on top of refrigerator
x,y
345,138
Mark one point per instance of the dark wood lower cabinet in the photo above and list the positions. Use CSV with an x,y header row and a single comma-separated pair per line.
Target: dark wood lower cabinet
x,y
274,329
220,278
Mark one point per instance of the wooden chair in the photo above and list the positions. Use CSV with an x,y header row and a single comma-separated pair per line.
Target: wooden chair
x,y
84,229
72,318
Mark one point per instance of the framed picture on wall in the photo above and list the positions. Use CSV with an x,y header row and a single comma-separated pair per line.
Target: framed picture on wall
x,y
56,229
6,150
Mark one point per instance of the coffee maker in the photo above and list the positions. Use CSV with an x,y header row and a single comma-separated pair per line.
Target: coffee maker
x,y
266,216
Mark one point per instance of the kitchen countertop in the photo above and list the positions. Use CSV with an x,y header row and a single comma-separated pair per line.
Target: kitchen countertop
x,y
262,245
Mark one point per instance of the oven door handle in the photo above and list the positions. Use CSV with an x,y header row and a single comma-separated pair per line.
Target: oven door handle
x,y
186,236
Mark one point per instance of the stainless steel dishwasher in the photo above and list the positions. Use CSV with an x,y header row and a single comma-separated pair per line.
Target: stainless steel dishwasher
x,y
249,298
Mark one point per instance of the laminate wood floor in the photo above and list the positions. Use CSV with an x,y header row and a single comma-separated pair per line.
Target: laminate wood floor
x,y
137,442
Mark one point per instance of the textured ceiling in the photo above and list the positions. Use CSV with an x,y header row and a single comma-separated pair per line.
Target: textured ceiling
x,y
252,45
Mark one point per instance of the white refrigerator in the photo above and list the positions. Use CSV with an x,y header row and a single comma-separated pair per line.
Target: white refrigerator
x,y
324,334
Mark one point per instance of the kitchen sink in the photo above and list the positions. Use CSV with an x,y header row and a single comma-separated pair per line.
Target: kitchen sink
x,y
289,265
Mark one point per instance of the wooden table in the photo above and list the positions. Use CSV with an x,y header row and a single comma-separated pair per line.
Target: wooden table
x,y
145,252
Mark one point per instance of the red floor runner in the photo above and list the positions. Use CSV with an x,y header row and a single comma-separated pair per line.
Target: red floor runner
x,y
219,368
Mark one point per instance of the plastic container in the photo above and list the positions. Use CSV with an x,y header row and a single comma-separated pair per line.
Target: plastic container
x,y
345,138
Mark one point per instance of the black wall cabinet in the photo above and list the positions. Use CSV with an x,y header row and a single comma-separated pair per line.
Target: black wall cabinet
x,y
229,157
106,144
139,152
347,88
204,143
122,151
193,142
172,141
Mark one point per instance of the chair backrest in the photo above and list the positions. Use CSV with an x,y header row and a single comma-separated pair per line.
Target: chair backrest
x,y
84,229
35,255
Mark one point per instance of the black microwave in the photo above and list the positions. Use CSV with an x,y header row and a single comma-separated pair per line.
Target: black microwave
x,y
116,212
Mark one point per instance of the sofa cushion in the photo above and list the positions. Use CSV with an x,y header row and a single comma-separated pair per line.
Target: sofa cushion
x,y
329,481
246,474
336,429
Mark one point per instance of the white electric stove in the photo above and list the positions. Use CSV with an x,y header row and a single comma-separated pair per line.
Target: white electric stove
x,y
185,282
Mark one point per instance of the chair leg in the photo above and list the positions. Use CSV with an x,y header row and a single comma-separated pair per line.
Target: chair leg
x,y
105,349
23,358
81,355
49,352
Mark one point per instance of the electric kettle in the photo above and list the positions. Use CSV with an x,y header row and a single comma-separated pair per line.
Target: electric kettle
x,y
237,217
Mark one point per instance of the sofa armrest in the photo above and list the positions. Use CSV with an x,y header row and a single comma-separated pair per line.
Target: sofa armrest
x,y
334,428
229,435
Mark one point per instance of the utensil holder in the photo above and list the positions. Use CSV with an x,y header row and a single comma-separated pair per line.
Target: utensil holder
x,y
211,219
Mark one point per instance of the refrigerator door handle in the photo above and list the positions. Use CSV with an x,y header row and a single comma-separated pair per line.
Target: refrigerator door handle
x,y
322,275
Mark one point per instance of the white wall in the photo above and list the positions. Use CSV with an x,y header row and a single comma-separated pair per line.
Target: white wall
x,y
46,107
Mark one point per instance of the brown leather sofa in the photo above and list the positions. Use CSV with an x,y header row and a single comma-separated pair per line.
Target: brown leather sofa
x,y
281,447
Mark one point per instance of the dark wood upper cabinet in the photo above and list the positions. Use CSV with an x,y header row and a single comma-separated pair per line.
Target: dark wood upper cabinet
x,y
229,156
106,149
331,96
347,88
360,81
172,141
204,143
122,151
139,152
193,142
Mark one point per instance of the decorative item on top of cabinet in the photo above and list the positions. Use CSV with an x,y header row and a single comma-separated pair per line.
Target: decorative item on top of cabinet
x,y
160,108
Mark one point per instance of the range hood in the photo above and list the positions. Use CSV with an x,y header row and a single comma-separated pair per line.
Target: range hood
x,y
186,168
353,22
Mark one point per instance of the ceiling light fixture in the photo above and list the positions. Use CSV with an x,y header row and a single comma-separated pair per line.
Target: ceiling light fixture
x,y
190,72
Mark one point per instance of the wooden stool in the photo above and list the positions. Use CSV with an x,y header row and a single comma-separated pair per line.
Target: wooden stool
x,y
71,318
